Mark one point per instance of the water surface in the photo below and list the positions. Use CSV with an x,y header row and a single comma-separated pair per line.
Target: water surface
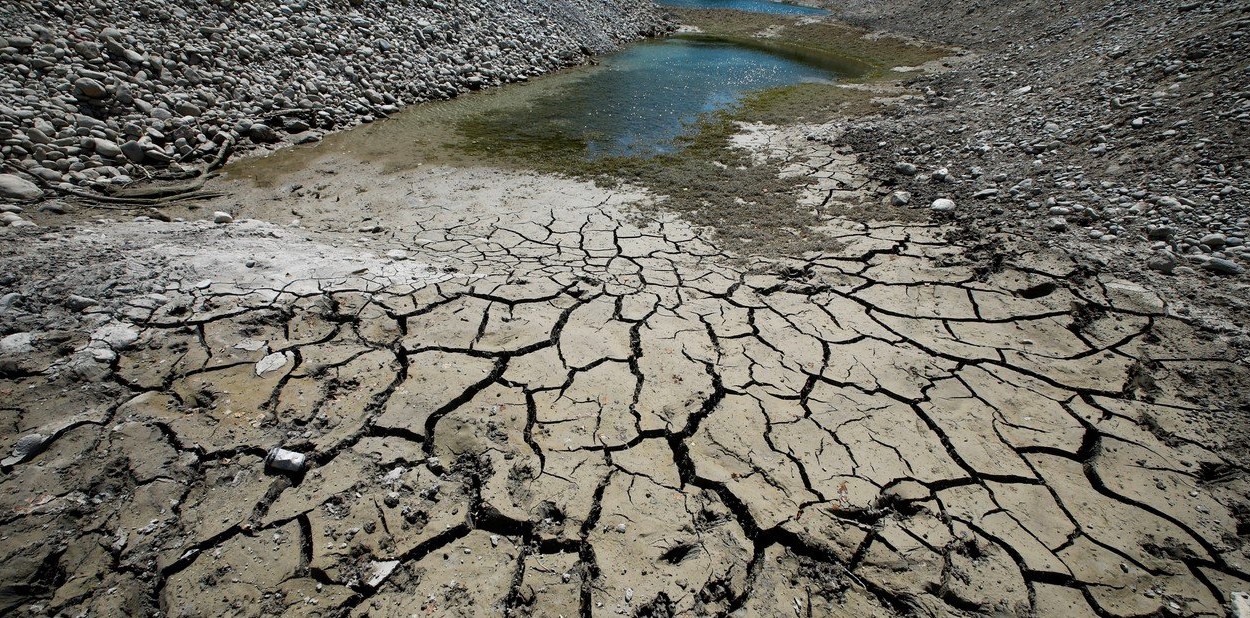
x,y
639,100
635,102
754,6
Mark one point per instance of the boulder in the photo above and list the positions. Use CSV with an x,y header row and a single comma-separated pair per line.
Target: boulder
x,y
15,188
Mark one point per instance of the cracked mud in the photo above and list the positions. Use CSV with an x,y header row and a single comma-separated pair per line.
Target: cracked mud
x,y
546,402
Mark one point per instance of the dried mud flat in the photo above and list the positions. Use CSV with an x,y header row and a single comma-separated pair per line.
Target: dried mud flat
x,y
522,395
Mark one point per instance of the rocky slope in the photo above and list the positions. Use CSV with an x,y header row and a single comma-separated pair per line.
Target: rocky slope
x,y
1120,122
103,92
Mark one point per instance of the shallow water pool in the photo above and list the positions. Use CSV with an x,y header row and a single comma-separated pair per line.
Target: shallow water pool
x,y
754,6
638,101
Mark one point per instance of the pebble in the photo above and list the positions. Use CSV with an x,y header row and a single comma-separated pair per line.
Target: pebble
x,y
220,217
942,205
904,168
900,198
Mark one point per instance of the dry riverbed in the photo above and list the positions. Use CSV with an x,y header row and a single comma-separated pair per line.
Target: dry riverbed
x,y
528,394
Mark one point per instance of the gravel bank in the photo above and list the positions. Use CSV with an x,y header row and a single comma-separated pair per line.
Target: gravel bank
x,y
1113,127
107,92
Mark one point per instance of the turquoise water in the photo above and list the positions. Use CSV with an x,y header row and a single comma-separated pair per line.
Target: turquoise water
x,y
754,6
639,100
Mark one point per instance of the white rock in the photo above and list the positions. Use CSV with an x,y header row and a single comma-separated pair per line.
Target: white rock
x,y
222,217
273,362
116,336
942,205
17,343
381,571
251,345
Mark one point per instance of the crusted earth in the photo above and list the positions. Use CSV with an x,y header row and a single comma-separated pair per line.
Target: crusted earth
x,y
551,404
527,395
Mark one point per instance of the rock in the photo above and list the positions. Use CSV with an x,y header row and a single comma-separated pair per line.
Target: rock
x,y
186,108
1162,232
307,137
1215,241
90,88
78,303
15,188
117,336
904,168
26,447
1170,203
900,198
272,363
381,571
221,217
17,344
1056,224
282,460
435,465
984,193
1164,262
397,254
942,205
263,133
106,148
133,151
1221,266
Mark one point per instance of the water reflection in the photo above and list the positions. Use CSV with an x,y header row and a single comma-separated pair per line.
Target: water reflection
x,y
640,100
754,6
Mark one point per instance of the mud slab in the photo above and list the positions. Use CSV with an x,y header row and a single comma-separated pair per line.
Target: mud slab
x,y
524,395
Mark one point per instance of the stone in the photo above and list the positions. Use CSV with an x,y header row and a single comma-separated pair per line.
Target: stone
x,y
1162,232
16,188
107,148
1215,241
904,168
221,217
381,571
133,151
1222,266
900,198
187,108
263,133
78,303
283,460
1168,202
272,362
1164,262
17,343
1057,224
90,88
942,205
26,447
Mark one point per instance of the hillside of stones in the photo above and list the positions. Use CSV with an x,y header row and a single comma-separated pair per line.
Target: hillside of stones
x,y
1123,123
109,93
